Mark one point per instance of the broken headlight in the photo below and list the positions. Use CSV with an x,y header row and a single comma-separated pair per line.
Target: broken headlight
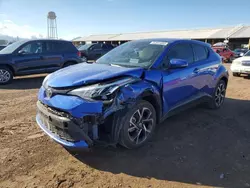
x,y
101,91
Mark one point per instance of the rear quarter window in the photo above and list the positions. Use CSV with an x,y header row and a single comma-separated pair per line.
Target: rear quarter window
x,y
60,46
200,52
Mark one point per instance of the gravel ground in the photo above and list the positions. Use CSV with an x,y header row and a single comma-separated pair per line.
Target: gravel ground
x,y
198,148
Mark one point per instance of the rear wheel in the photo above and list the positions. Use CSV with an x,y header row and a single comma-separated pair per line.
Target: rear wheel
x,y
6,75
138,125
236,74
84,59
218,96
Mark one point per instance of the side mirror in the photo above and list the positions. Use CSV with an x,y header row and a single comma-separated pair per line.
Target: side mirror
x,y
178,63
241,54
21,52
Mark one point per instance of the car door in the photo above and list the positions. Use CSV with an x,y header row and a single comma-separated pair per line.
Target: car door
x,y
95,51
204,69
178,84
28,58
53,55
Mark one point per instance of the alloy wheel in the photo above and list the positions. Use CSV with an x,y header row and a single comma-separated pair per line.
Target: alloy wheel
x,y
220,94
141,125
4,76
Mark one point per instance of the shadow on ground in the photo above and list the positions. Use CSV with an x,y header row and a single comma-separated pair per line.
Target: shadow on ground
x,y
199,146
21,83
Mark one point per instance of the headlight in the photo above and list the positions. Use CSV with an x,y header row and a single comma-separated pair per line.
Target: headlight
x,y
102,91
45,80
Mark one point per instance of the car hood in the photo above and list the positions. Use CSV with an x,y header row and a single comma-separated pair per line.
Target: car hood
x,y
244,58
84,73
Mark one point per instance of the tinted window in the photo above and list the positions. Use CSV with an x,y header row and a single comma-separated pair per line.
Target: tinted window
x,y
109,46
200,52
179,51
32,48
56,46
96,47
104,46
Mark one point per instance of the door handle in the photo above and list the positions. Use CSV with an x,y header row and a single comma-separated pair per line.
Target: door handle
x,y
196,70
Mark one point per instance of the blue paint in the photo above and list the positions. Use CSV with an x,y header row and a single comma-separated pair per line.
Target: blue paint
x,y
169,87
84,73
74,105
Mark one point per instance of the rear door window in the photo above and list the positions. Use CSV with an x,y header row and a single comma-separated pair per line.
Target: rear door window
x,y
200,52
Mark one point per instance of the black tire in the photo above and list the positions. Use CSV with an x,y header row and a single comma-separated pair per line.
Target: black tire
x,y
144,128
236,74
6,75
218,96
230,60
67,64
84,57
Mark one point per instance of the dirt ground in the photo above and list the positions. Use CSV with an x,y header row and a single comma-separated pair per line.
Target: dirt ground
x,y
198,148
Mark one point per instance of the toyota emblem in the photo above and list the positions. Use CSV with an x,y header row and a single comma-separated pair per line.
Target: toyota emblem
x,y
49,93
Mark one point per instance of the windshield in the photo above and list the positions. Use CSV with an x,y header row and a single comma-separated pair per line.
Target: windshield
x,y
134,54
84,47
12,47
247,54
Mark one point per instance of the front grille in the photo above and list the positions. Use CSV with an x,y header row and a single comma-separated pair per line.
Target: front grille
x,y
58,128
64,125
56,111
246,63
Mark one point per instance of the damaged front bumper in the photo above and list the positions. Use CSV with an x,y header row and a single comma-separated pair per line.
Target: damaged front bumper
x,y
63,130
70,121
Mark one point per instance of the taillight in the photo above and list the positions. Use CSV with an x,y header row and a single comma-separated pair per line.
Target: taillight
x,y
79,54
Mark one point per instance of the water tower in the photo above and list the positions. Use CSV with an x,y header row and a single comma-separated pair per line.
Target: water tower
x,y
51,25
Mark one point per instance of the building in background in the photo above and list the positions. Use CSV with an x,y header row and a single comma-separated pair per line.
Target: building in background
x,y
237,36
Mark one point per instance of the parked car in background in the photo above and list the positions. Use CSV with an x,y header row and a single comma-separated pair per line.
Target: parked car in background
x,y
2,47
239,52
36,56
225,53
124,95
241,65
94,51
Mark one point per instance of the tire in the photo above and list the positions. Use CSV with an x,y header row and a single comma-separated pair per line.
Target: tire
x,y
236,74
218,96
6,75
67,64
230,60
135,132
84,58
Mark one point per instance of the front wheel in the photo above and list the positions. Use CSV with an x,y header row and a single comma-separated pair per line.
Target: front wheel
x,y
236,74
6,75
138,125
218,96
231,59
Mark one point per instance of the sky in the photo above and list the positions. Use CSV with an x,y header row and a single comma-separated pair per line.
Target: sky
x,y
26,18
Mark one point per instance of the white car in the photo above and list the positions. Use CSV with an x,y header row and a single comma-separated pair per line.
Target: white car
x,y
241,65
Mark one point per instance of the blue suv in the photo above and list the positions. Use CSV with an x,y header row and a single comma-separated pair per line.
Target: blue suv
x,y
128,91
36,56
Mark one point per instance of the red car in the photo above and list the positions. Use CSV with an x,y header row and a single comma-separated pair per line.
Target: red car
x,y
225,53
